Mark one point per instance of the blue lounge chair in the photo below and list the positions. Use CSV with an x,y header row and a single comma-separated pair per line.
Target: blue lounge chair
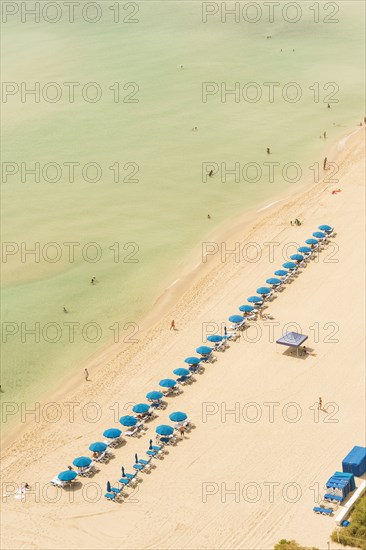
x,y
333,498
110,496
323,511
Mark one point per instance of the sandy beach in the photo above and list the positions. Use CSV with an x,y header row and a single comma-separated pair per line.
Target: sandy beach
x,y
249,472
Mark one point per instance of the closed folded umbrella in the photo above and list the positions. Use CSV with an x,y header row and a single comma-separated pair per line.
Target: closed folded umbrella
x,y
204,350
108,487
112,433
136,458
181,372
141,408
192,360
67,475
82,461
123,471
167,383
154,395
178,416
128,420
164,430
98,447
214,338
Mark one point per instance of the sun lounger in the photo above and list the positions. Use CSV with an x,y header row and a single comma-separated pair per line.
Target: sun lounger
x,y
323,511
132,432
127,482
58,483
142,467
88,471
110,496
221,346
333,498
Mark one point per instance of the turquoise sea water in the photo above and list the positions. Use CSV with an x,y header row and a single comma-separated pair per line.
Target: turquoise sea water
x,y
156,219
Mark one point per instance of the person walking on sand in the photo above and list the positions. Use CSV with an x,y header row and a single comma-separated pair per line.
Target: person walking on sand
x,y
320,404
210,173
328,106
65,310
208,216
325,163
172,325
325,135
268,151
93,280
86,375
182,431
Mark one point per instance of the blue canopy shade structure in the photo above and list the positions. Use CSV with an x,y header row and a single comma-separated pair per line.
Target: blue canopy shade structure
x,y
297,257
154,395
181,372
98,447
167,383
281,272
255,299
273,281
325,228
178,416
236,318
292,340
289,265
192,360
214,338
82,461
164,430
141,408
263,290
128,420
204,350
67,475
319,234
355,461
304,250
112,433
246,308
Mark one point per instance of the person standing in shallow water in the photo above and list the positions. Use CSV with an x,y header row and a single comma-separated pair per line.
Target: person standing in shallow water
x,y
268,151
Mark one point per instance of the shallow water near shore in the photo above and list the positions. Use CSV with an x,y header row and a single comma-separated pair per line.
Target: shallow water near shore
x,y
132,233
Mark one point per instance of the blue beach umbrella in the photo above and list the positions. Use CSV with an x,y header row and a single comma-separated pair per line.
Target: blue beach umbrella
x,y
214,338
128,420
154,395
263,290
178,416
192,360
273,281
108,487
112,433
311,241
281,273
319,234
98,447
326,228
67,475
304,250
289,265
297,257
204,350
164,430
236,318
246,308
181,372
141,408
254,299
167,383
82,461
